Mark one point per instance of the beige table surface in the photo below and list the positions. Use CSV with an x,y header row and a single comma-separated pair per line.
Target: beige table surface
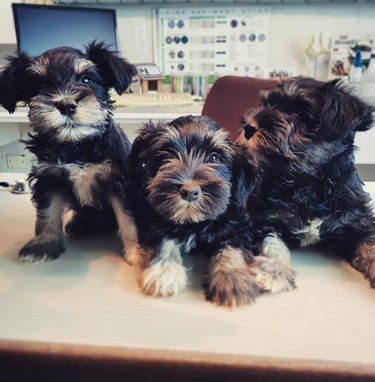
x,y
90,296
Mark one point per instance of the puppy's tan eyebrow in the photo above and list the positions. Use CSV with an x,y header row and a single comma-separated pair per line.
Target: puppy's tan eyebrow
x,y
40,65
82,64
220,140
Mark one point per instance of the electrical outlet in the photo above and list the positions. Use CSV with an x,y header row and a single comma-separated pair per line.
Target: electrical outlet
x,y
16,161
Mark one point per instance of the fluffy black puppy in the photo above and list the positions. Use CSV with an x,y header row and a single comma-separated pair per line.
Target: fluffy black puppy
x,y
302,138
188,188
82,154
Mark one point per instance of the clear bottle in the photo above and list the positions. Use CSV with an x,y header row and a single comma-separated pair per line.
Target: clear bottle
x,y
367,92
355,74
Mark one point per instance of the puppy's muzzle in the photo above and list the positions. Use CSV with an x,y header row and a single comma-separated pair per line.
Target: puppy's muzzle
x,y
67,107
190,192
249,130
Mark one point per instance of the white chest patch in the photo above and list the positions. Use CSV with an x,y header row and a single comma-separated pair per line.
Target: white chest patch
x,y
189,244
84,178
310,234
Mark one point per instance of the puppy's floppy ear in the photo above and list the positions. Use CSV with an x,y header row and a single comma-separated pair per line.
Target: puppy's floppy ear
x,y
181,121
149,131
144,140
201,120
343,112
116,72
12,81
244,176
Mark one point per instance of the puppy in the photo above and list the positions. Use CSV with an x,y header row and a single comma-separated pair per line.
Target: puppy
x,y
187,189
302,139
82,154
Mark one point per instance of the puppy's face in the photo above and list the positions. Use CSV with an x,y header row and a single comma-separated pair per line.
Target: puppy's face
x,y
304,116
67,90
185,168
71,101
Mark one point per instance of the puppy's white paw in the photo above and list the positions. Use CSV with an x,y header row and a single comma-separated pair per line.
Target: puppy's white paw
x,y
163,278
274,247
272,274
272,268
34,258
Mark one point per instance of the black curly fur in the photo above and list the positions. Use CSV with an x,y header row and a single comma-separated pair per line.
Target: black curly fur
x,y
304,148
227,225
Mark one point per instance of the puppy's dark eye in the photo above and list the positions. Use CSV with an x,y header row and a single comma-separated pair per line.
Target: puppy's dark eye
x,y
213,158
85,80
143,165
166,156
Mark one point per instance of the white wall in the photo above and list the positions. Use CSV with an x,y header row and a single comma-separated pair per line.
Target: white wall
x,y
295,24
291,27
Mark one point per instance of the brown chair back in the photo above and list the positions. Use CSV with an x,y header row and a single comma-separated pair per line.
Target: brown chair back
x,y
230,97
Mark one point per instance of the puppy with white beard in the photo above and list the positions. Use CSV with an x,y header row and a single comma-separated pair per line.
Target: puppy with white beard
x,y
188,188
82,154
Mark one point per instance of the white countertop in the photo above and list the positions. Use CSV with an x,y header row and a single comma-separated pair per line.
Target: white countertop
x,y
90,296
122,114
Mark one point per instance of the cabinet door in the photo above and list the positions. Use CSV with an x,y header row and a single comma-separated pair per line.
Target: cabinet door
x,y
7,30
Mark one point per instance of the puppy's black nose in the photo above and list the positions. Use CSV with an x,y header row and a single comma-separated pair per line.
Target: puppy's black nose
x,y
190,193
67,107
249,130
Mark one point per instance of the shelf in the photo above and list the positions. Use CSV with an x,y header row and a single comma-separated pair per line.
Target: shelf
x,y
194,2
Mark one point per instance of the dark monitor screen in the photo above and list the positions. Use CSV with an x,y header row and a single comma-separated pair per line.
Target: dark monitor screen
x,y
40,27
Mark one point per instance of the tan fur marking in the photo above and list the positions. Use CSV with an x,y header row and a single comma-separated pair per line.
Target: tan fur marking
x,y
40,65
81,65
364,260
84,178
128,233
230,280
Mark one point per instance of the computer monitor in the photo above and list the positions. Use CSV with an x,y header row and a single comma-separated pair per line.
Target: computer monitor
x,y
41,27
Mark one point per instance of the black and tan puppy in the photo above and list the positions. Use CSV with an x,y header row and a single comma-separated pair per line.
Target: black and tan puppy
x,y
188,188
302,139
82,154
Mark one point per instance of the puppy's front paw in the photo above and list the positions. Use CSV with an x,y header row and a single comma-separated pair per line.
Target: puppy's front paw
x,y
230,282
273,275
163,278
39,250
364,261
133,254
232,289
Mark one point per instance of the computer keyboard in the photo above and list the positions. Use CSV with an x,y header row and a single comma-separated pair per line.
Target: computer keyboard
x,y
159,99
